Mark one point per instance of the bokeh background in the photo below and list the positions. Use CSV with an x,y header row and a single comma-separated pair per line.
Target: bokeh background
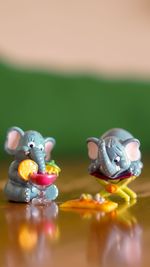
x,y
71,70
74,69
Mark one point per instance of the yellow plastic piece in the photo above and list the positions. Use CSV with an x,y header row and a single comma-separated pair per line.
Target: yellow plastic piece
x,y
119,188
106,206
27,167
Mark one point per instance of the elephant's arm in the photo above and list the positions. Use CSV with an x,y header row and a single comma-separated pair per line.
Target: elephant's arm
x,y
136,167
13,173
17,189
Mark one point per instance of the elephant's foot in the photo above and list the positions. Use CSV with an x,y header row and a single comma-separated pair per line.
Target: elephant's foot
x,y
17,193
52,192
45,197
26,194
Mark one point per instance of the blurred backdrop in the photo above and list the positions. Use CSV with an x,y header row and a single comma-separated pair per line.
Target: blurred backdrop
x,y
75,69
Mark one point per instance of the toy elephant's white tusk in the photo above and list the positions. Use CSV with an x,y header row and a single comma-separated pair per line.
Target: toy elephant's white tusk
x,y
118,168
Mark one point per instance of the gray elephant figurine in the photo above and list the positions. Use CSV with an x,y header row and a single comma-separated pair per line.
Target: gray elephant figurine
x,y
116,161
27,145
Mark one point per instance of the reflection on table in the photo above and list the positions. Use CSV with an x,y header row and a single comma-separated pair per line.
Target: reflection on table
x,y
30,240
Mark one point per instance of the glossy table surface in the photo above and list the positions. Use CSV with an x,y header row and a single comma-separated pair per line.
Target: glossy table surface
x,y
48,236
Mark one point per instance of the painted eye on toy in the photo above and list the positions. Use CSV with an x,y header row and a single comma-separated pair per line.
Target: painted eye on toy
x,y
31,144
41,147
117,159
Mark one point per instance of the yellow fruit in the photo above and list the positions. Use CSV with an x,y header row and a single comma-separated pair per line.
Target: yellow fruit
x,y
27,167
52,169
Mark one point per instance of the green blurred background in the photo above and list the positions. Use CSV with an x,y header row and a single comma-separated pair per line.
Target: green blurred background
x,y
72,107
75,70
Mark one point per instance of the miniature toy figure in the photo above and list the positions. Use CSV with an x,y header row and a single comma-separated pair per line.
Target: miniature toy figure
x,y
115,161
31,168
86,203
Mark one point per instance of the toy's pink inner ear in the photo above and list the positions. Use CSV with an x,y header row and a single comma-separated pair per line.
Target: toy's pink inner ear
x,y
13,140
92,150
48,147
132,150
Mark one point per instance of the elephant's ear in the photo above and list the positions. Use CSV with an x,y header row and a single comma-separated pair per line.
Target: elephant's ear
x,y
132,149
92,144
12,139
49,144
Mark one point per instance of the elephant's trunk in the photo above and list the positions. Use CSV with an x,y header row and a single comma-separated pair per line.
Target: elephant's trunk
x,y
106,166
37,155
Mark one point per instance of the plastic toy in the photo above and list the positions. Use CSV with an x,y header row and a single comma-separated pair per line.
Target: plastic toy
x,y
43,181
115,161
30,167
86,202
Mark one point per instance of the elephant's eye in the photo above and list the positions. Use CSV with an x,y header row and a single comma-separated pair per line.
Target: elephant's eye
x,y
31,144
117,159
41,147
